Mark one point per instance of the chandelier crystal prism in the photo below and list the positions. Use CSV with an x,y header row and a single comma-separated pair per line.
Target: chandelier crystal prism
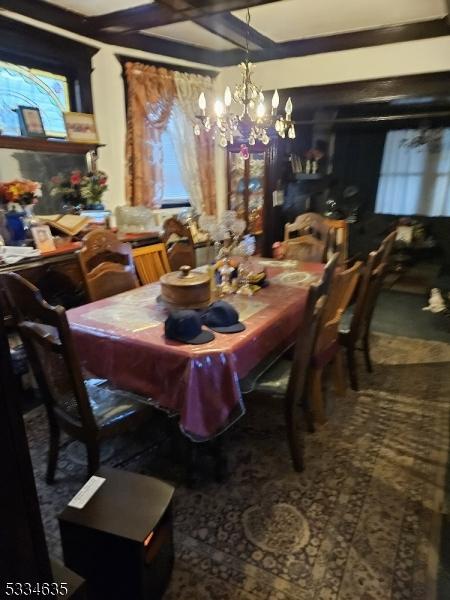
x,y
251,123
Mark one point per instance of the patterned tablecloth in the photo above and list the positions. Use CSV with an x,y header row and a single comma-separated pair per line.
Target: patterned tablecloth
x,y
122,339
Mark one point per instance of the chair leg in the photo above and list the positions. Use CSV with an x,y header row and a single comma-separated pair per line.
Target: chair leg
x,y
93,454
294,435
352,369
338,375
316,396
366,348
53,452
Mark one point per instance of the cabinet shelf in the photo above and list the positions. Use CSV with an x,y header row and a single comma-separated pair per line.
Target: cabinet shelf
x,y
46,145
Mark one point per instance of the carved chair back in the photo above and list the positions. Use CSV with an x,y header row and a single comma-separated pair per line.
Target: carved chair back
x,y
151,262
340,293
378,273
305,248
107,265
308,223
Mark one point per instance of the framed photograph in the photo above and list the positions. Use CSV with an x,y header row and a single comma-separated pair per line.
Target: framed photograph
x,y
81,127
30,121
43,238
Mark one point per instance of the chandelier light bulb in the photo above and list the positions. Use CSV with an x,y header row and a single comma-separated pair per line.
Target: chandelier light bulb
x,y
288,107
202,102
260,110
291,132
275,100
218,108
227,96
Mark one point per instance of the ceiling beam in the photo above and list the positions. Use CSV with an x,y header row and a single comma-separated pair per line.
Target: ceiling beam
x,y
162,46
46,12
234,30
344,41
165,12
435,86
134,19
196,8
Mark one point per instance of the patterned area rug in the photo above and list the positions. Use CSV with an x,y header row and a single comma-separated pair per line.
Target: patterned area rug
x,y
362,522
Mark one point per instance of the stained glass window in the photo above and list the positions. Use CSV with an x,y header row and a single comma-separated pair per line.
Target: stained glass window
x,y
21,86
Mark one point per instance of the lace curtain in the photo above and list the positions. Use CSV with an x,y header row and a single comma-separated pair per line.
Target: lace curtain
x,y
414,181
197,168
151,93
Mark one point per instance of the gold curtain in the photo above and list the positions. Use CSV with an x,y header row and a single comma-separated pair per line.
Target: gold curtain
x,y
206,164
151,92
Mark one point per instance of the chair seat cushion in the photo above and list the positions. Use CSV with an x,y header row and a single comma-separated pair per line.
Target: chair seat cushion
x,y
111,405
275,380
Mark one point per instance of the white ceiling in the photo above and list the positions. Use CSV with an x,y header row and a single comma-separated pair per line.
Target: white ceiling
x,y
190,33
92,8
297,19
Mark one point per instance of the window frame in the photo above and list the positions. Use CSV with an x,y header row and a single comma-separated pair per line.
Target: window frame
x,y
28,46
54,74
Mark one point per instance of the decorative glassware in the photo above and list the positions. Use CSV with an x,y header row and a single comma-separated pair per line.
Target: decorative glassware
x,y
247,247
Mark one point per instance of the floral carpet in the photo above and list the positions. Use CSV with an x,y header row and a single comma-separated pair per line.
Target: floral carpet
x,y
362,522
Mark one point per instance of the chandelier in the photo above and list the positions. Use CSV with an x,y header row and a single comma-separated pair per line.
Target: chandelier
x,y
250,123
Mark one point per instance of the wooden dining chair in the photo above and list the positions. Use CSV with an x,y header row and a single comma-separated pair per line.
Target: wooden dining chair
x,y
327,348
307,224
357,329
107,265
338,238
88,410
151,262
287,378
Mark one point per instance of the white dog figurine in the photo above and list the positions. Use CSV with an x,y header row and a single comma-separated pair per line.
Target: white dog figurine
x,y
436,302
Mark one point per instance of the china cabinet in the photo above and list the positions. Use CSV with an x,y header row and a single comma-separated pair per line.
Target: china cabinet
x,y
251,182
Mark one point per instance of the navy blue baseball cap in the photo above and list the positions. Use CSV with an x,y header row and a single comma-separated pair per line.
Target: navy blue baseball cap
x,y
186,326
223,318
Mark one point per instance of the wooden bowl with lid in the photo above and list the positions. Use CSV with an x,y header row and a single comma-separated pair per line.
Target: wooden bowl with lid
x,y
185,289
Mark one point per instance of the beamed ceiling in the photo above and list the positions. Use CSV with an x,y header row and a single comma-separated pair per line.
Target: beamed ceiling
x,y
213,31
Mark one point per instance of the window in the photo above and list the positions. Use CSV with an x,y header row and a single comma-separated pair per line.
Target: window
x,y
174,190
414,181
21,86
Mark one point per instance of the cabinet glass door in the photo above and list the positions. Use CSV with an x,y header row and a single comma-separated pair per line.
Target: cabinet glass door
x,y
256,192
237,184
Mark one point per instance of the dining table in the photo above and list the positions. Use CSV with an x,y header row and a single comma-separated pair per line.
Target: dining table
x,y
121,339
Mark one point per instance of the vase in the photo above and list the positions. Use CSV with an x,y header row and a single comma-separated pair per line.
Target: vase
x,y
14,221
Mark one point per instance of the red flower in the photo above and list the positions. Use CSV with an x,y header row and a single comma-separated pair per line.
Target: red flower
x,y
75,178
103,180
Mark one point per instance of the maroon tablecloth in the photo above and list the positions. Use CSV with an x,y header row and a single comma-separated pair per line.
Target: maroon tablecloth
x,y
122,339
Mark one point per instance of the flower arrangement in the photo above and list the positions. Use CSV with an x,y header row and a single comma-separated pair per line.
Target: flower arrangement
x,y
20,192
77,189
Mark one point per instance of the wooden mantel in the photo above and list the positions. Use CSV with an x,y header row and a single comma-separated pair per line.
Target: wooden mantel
x,y
45,145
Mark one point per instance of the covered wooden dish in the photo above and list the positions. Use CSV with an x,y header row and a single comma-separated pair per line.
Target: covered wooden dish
x,y
185,289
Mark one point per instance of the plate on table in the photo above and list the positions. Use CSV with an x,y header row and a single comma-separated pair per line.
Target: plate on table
x,y
295,278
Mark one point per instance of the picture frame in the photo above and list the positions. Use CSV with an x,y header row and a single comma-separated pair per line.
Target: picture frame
x,y
43,238
30,121
81,127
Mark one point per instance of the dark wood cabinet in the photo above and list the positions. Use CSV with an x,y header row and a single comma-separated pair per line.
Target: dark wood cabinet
x,y
251,183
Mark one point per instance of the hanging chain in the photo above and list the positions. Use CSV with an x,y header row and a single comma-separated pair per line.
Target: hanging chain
x,y
247,32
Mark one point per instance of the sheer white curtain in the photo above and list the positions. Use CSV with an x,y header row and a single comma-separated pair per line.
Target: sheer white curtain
x,y
414,181
188,88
